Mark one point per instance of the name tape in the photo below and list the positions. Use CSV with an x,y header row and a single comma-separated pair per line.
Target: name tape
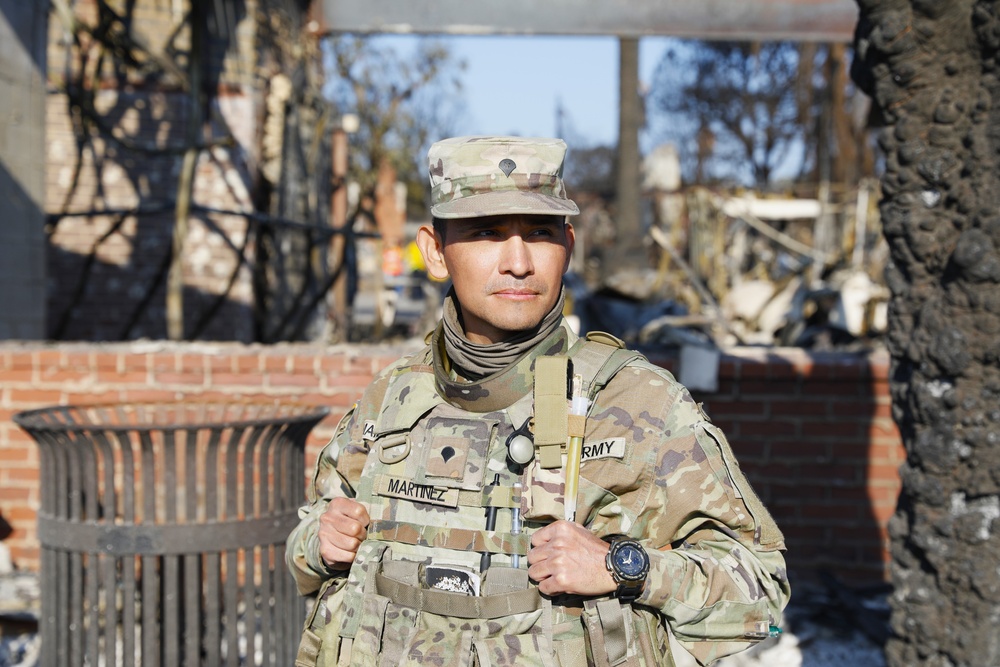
x,y
612,448
407,489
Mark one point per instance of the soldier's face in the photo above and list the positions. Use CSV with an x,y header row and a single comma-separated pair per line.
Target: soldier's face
x,y
507,269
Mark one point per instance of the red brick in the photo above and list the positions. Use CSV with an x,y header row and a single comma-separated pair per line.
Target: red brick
x,y
361,381
728,426
727,387
884,429
15,475
303,364
246,363
787,369
877,471
883,513
14,494
798,450
832,389
134,361
830,429
234,379
80,361
179,378
59,374
35,397
749,449
723,408
848,514
164,362
749,369
829,472
14,456
24,375
769,428
110,376
784,513
275,363
888,452
106,361
860,409
769,388
799,408
775,472
287,380
881,389
220,363
92,397
851,451
147,396
853,493
883,496
857,371
20,360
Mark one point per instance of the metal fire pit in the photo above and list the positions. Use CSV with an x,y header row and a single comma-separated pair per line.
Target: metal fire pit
x,y
162,531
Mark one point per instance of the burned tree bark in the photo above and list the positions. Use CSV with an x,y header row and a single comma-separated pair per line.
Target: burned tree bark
x,y
932,69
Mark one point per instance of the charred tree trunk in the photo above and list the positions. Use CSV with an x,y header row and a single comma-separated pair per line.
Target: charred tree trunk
x,y
932,69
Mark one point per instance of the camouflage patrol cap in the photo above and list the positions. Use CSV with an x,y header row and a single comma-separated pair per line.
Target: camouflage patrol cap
x,y
473,177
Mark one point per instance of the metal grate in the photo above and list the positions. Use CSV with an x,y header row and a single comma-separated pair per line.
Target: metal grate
x,y
162,530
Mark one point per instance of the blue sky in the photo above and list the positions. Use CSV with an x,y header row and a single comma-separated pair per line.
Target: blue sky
x,y
514,84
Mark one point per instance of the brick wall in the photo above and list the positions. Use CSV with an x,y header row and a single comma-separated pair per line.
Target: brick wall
x,y
813,431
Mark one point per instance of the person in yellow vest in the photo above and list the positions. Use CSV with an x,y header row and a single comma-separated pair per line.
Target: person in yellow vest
x,y
515,495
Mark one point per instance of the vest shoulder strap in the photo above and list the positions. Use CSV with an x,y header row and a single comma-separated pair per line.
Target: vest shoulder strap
x,y
598,358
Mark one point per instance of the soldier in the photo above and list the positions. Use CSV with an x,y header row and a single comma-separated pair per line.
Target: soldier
x,y
514,495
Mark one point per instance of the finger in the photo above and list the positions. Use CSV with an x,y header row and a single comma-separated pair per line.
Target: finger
x,y
539,572
349,508
346,534
336,557
336,547
544,535
551,582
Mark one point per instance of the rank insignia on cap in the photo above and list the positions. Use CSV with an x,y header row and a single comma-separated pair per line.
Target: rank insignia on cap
x,y
473,177
507,166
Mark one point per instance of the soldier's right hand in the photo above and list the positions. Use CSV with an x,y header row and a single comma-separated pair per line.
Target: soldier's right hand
x,y
342,528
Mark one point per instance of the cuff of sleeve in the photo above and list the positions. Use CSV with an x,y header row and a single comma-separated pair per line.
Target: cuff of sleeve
x,y
315,561
663,579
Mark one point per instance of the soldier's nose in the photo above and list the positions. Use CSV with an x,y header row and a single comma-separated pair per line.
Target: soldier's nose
x,y
516,258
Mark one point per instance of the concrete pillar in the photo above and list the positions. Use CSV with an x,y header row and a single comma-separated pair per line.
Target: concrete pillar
x,y
23,32
628,221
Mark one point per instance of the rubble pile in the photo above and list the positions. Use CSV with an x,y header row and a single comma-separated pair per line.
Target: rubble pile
x,y
742,269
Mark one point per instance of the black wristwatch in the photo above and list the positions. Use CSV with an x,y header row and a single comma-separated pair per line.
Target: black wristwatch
x,y
629,564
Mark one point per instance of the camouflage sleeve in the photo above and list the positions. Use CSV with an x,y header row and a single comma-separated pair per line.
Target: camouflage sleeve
x,y
302,550
338,469
717,574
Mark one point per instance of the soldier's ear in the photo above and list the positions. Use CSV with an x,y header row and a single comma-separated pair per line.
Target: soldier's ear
x,y
570,242
431,246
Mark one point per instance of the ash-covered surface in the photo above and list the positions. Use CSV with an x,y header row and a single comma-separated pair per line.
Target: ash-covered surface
x,y
824,626
19,607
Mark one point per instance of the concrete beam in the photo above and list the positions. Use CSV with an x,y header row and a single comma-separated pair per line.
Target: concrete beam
x,y
763,20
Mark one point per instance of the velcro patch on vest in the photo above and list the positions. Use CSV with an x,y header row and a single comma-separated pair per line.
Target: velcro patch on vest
x,y
369,432
612,448
407,489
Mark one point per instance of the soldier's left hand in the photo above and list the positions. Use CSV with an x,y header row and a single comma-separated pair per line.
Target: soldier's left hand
x,y
565,557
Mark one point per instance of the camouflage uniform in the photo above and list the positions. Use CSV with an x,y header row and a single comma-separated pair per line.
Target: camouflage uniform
x,y
423,449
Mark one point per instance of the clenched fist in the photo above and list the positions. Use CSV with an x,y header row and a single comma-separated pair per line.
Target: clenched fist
x,y
567,558
342,529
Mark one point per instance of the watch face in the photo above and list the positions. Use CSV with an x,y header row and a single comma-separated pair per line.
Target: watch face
x,y
630,561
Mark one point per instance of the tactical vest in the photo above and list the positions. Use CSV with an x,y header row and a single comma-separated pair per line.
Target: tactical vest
x,y
416,594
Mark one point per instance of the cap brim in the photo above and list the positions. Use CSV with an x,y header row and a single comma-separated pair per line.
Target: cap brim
x,y
504,202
